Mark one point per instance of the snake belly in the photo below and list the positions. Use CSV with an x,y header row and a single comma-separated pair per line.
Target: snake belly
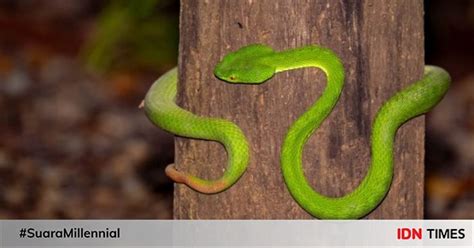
x,y
257,63
161,109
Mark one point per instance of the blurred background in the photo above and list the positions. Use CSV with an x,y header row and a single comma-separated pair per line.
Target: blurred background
x,y
73,143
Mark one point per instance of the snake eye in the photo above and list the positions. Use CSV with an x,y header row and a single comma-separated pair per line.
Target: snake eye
x,y
232,77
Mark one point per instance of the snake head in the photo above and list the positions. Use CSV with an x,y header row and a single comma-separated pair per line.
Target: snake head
x,y
246,65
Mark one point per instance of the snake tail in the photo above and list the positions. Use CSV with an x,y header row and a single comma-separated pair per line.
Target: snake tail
x,y
161,109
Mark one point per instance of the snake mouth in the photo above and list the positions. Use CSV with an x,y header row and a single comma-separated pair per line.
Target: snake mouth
x,y
226,77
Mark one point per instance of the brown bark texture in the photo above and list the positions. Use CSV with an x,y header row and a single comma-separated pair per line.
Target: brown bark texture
x,y
381,45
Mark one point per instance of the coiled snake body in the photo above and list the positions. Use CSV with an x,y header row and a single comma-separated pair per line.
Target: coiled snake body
x,y
258,63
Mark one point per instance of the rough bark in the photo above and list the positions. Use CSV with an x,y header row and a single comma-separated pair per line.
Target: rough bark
x,y
381,45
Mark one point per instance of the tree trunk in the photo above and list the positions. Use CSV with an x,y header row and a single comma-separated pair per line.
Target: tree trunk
x,y
381,46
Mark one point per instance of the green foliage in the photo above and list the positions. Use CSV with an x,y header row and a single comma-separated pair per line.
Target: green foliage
x,y
141,33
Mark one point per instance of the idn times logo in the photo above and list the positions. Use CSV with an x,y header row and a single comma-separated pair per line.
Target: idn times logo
x,y
410,233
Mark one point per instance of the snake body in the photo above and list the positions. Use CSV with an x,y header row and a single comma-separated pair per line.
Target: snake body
x,y
161,109
256,64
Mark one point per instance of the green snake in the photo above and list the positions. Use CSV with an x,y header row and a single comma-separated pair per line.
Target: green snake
x,y
256,64
161,109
